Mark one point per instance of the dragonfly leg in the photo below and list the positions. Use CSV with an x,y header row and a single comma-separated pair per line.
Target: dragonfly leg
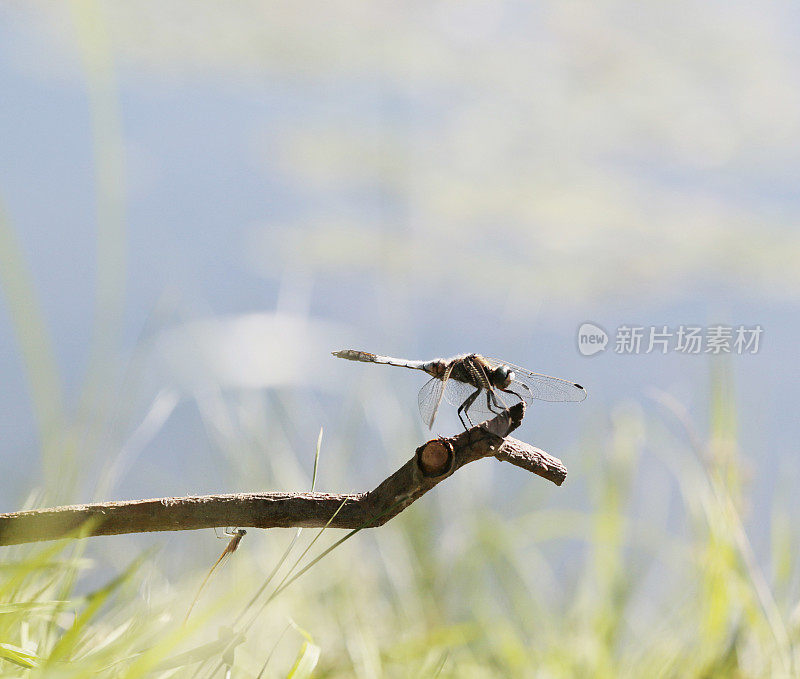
x,y
492,402
499,403
526,388
519,396
465,406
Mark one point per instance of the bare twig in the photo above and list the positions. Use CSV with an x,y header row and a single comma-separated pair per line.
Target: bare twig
x,y
431,464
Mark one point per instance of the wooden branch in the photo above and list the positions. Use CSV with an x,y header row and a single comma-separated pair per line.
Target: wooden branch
x,y
432,463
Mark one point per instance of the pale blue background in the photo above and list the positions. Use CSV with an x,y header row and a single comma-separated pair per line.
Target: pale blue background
x,y
418,180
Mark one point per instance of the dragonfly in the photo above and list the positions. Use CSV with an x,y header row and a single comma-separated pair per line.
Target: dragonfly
x,y
475,384
235,536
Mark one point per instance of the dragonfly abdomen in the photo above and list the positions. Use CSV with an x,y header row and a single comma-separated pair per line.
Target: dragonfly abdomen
x,y
366,357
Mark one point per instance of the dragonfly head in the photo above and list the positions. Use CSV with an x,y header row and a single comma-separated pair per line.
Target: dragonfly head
x,y
502,376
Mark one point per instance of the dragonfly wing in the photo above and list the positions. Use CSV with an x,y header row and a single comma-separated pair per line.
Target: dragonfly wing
x,y
530,385
546,388
455,392
430,396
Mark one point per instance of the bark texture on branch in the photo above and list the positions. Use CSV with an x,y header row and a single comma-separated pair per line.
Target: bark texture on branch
x,y
432,463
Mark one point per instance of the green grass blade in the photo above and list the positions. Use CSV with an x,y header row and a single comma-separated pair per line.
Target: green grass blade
x,y
70,641
316,461
19,657
34,342
307,657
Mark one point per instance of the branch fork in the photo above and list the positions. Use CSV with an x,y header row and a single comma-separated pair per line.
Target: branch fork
x,y
432,463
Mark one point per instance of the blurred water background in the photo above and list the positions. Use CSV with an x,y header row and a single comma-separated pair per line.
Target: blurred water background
x,y
201,201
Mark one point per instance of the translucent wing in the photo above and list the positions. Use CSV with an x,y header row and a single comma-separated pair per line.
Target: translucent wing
x,y
430,396
455,392
530,385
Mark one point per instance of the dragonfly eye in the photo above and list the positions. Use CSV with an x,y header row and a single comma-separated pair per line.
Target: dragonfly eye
x,y
503,376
